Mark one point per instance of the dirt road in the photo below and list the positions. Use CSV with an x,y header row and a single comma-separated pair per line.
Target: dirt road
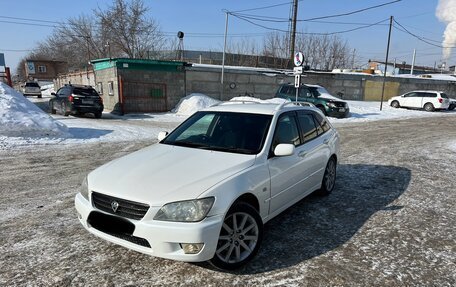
x,y
390,221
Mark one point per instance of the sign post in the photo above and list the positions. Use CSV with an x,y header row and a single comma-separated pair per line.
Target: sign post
x,y
297,71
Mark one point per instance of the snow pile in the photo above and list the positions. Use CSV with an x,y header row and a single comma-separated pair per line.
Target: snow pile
x,y
193,103
256,100
21,118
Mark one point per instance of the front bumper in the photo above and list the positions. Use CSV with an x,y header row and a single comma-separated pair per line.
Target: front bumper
x,y
338,112
164,237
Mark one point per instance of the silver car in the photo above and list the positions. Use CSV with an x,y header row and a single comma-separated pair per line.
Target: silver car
x,y
32,89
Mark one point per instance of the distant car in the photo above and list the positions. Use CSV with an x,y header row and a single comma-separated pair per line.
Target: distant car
x,y
452,104
76,99
32,89
427,100
317,95
206,189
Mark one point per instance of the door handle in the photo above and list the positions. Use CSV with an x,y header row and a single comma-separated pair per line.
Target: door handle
x,y
302,154
326,141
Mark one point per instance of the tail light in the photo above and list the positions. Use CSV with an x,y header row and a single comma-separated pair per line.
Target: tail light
x,y
101,99
71,98
440,100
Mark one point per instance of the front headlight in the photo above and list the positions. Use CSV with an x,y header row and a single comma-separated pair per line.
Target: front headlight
x,y
84,189
331,105
185,211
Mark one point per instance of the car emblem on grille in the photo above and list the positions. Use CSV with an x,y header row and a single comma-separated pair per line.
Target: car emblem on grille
x,y
114,206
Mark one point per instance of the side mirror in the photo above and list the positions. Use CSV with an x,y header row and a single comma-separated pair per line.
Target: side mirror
x,y
162,135
53,94
284,150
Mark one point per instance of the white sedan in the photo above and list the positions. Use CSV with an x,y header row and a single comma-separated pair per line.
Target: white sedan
x,y
428,100
206,189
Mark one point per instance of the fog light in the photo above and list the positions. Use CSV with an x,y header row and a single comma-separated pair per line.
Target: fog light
x,y
192,248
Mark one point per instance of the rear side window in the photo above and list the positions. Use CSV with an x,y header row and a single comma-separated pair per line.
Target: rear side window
x,y
428,95
85,92
443,95
288,90
34,85
308,128
322,124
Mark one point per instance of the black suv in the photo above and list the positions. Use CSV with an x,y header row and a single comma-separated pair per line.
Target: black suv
x,y
317,95
76,99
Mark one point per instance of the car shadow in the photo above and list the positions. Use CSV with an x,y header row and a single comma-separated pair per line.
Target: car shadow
x,y
360,116
316,225
88,133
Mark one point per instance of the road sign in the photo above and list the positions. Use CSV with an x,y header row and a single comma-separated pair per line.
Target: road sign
x,y
298,59
297,70
297,81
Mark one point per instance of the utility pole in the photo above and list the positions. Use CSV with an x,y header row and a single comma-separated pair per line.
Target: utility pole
x,y
293,29
386,61
353,59
223,57
413,61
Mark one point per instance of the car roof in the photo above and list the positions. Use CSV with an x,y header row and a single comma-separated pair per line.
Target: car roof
x,y
257,108
424,91
304,84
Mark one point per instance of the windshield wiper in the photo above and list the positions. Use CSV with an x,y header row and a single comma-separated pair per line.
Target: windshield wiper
x,y
187,144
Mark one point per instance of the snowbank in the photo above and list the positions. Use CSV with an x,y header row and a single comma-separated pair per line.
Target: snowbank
x,y
21,118
193,103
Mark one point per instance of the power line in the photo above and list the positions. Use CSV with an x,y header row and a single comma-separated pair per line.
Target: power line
x,y
262,8
422,39
311,33
275,19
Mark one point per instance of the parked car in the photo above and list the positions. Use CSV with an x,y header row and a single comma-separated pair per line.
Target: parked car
x,y
317,95
31,89
452,104
76,99
428,100
206,189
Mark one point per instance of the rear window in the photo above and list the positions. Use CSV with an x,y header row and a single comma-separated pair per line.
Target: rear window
x,y
443,95
85,92
34,85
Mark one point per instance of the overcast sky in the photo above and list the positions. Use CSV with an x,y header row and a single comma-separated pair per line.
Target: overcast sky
x,y
203,22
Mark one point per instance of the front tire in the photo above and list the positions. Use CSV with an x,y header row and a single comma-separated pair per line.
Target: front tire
x,y
51,107
395,104
429,107
329,178
65,111
240,237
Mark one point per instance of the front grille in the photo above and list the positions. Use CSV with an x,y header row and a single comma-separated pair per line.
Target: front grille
x,y
340,104
126,208
115,226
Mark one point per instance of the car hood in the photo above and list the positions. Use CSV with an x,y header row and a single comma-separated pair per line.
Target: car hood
x,y
329,97
164,173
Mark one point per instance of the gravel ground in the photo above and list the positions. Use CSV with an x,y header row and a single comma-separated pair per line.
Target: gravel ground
x,y
391,220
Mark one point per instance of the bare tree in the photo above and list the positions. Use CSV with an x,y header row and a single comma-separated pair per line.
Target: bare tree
x,y
129,30
122,30
323,52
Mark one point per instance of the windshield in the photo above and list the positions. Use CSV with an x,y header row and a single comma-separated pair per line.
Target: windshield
x,y
222,131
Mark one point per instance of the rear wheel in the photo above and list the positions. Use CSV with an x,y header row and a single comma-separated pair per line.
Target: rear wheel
x,y
395,104
429,107
329,178
240,237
